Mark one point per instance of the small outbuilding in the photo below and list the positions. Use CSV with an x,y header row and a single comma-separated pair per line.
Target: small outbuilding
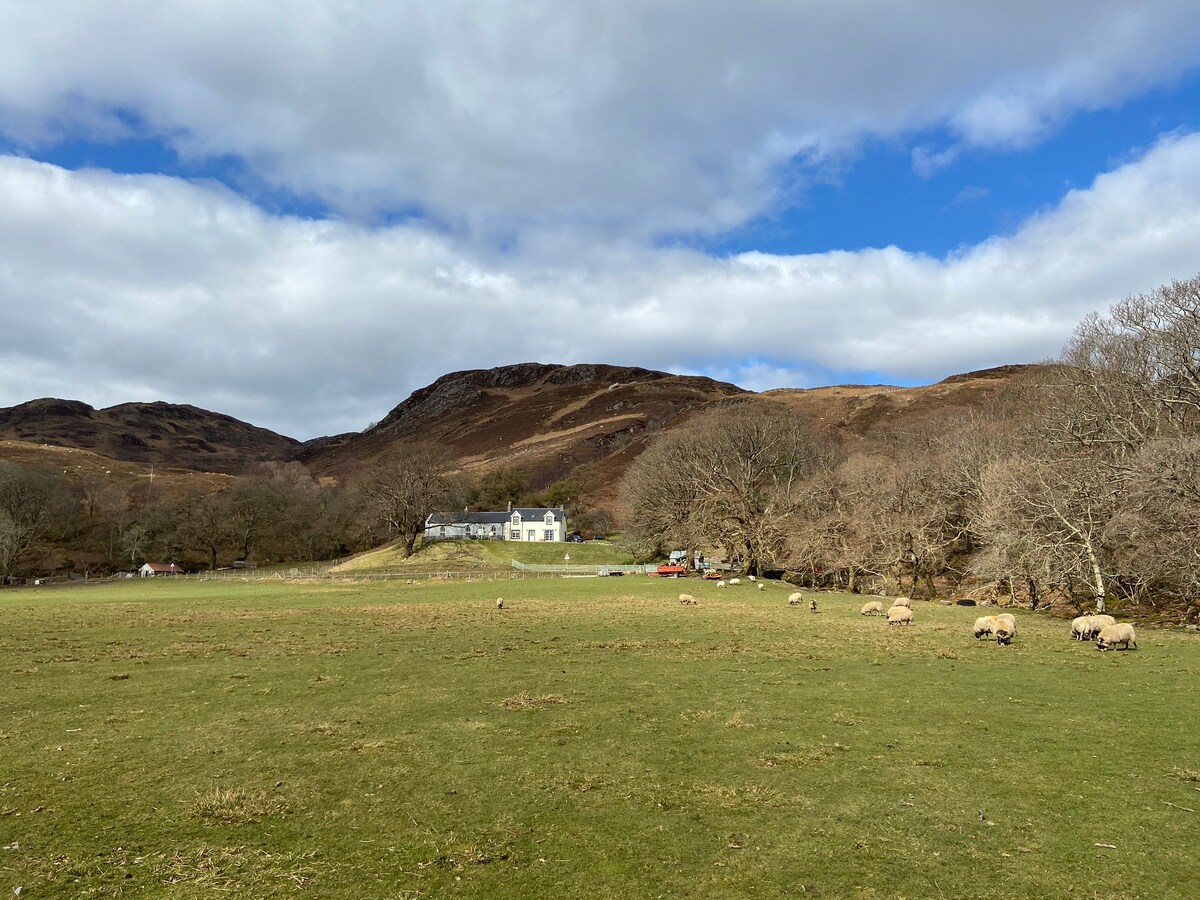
x,y
155,570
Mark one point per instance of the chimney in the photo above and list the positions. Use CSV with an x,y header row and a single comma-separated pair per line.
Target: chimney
x,y
510,506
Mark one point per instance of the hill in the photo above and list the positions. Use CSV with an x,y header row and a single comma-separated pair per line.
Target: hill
x,y
179,436
546,420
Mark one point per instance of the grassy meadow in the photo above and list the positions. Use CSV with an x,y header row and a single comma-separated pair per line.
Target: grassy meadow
x,y
466,556
591,739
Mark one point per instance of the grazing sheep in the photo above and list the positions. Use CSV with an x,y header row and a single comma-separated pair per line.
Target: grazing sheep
x,y
1116,634
872,608
687,600
1006,628
1099,621
795,597
902,601
984,626
899,615
735,581
1081,628
795,602
721,583
761,586
751,577
499,603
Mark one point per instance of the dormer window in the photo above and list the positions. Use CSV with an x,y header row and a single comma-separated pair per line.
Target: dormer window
x,y
516,519
549,518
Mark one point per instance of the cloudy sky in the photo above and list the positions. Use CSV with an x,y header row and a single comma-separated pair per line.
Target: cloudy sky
x,y
298,218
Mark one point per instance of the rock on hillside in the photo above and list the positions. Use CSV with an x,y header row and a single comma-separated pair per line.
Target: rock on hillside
x,y
166,433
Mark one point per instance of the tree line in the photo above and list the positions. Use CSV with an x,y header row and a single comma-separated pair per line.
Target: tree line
x,y
1080,481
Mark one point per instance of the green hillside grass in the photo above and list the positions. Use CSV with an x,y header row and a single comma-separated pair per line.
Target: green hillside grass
x,y
457,556
592,739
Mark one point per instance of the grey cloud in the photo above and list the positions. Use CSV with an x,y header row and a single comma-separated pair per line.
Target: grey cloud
x,y
613,118
118,288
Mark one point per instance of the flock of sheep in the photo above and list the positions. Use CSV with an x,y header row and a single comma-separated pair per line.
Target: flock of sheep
x,y
1103,629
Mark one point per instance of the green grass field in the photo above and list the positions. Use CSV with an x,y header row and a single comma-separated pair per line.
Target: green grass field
x,y
465,556
592,739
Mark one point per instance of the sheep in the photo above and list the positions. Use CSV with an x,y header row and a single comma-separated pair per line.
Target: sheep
x,y
735,581
499,603
872,608
795,597
902,601
687,600
1099,621
899,615
1116,634
1005,629
1081,628
751,577
721,583
812,604
761,586
984,625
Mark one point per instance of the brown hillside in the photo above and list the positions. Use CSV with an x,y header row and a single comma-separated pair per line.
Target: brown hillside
x,y
162,433
544,419
855,410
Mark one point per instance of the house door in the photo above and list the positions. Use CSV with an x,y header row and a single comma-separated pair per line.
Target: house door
x,y
531,534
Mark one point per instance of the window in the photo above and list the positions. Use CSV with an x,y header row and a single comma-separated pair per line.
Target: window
x,y
549,518
549,534
441,531
516,534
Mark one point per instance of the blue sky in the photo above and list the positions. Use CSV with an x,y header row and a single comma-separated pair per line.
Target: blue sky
x,y
329,209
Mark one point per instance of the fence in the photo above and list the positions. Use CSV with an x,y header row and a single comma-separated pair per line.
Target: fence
x,y
582,569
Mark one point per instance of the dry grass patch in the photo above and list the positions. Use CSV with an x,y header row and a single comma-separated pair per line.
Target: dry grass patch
x,y
1187,775
800,758
235,806
526,701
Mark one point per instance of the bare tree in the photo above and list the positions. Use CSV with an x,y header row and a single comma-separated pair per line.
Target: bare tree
x,y
731,477
406,485
32,505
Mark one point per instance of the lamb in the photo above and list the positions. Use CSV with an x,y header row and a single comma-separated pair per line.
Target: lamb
x,y
499,603
812,604
721,583
872,608
735,581
761,586
687,600
902,601
899,615
1116,634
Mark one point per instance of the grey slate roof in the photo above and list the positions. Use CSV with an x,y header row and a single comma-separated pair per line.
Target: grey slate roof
x,y
528,514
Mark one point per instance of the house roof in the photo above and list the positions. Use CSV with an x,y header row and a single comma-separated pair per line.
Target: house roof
x,y
161,567
528,513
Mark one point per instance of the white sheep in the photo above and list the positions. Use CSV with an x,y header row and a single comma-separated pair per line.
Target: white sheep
x,y
1099,621
899,615
761,586
687,600
902,601
735,581
984,625
872,608
1116,634
751,577
721,583
499,603
795,597
1081,628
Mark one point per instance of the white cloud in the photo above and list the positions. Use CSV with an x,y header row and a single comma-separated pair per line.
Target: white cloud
x,y
118,288
614,118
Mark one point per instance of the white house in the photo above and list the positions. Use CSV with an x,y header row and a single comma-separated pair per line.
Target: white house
x,y
521,524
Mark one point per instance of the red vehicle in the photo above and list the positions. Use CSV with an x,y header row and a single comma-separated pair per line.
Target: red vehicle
x,y
674,571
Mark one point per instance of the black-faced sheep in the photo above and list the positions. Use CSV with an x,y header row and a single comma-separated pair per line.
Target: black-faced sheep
x,y
499,603
1116,634
984,626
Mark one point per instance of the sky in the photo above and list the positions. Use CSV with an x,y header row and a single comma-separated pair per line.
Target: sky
x,y
297,214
